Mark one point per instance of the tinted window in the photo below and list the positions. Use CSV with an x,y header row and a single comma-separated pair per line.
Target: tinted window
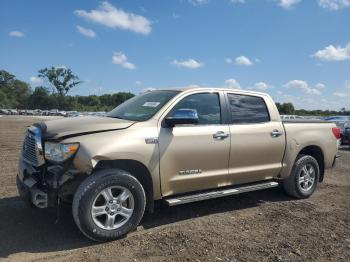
x,y
207,106
142,107
248,109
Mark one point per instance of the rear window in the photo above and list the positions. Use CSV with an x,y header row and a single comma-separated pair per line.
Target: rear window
x,y
247,109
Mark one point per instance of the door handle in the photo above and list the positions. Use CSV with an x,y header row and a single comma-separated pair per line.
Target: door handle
x,y
276,133
220,135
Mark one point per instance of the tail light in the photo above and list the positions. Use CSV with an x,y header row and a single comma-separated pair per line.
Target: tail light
x,y
336,132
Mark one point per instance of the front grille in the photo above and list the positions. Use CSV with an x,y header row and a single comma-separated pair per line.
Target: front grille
x,y
30,150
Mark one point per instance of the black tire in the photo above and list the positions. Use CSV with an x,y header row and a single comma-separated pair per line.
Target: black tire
x,y
291,184
88,191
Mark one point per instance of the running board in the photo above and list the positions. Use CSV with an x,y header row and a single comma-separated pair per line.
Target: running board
x,y
218,193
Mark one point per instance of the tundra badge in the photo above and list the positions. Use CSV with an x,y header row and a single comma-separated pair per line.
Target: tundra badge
x,y
151,140
190,172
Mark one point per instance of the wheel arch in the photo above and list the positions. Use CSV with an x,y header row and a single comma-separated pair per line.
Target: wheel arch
x,y
317,153
136,169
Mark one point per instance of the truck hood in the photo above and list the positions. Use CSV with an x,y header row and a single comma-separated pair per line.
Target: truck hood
x,y
69,127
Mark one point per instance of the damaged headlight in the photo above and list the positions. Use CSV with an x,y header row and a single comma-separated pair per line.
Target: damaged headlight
x,y
59,152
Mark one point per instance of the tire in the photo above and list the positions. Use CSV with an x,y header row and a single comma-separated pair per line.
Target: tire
x,y
93,190
292,184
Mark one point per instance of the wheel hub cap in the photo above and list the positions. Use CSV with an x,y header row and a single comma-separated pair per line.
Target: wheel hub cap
x,y
306,177
112,207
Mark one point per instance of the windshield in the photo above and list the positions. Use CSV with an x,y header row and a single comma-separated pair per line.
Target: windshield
x,y
142,107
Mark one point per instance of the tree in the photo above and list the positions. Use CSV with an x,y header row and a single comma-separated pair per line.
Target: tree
x,y
14,92
289,108
4,102
42,99
5,78
119,98
21,92
61,78
286,108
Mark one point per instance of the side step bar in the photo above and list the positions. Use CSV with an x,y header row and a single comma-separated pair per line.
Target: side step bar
x,y
173,201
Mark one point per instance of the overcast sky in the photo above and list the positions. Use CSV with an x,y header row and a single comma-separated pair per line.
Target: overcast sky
x,y
296,50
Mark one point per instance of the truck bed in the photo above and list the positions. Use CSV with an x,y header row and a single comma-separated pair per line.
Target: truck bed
x,y
304,133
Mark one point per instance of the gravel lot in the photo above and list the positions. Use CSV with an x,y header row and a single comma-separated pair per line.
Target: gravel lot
x,y
257,226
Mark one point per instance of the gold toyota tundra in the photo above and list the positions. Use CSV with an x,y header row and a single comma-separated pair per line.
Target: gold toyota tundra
x,y
172,145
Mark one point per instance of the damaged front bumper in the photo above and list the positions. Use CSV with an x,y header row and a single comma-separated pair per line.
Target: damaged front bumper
x,y
29,185
41,182
42,186
29,192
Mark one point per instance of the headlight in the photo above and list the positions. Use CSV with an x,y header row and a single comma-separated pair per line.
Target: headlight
x,y
59,152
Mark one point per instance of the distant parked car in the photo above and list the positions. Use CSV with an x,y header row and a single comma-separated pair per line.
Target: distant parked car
x,y
288,117
344,132
37,112
45,112
73,114
13,112
345,135
338,118
61,113
4,112
29,112
53,112
343,124
99,113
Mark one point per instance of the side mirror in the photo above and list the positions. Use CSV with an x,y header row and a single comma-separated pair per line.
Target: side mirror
x,y
182,117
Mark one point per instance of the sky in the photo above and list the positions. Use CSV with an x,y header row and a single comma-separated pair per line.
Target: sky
x,y
296,50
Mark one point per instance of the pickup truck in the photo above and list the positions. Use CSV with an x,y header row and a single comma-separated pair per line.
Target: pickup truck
x,y
173,146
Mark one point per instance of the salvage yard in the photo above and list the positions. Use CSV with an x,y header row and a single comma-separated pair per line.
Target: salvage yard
x,y
258,226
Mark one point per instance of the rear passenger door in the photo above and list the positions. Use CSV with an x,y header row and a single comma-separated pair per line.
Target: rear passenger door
x,y
257,140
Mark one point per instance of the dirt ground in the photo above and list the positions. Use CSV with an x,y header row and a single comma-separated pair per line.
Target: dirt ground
x,y
258,226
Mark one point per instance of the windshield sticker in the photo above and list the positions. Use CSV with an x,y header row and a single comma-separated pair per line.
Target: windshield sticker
x,y
151,104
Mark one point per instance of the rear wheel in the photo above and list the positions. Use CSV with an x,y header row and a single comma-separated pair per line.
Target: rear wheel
x,y
108,204
304,177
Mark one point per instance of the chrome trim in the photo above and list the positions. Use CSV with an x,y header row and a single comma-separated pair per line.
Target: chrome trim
x,y
276,133
219,193
32,151
220,135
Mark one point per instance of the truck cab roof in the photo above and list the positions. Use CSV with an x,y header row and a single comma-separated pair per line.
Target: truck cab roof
x,y
209,89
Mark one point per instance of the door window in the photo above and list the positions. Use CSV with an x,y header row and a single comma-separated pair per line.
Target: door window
x,y
207,106
247,109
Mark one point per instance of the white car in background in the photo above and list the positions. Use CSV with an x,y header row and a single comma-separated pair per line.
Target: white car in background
x,y
289,117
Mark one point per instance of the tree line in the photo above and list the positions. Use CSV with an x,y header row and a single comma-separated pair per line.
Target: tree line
x,y
288,109
15,93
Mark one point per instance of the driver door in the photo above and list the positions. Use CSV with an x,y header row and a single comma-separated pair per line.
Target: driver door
x,y
195,157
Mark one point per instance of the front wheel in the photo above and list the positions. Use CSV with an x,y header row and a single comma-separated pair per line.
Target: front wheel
x,y
108,204
304,177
